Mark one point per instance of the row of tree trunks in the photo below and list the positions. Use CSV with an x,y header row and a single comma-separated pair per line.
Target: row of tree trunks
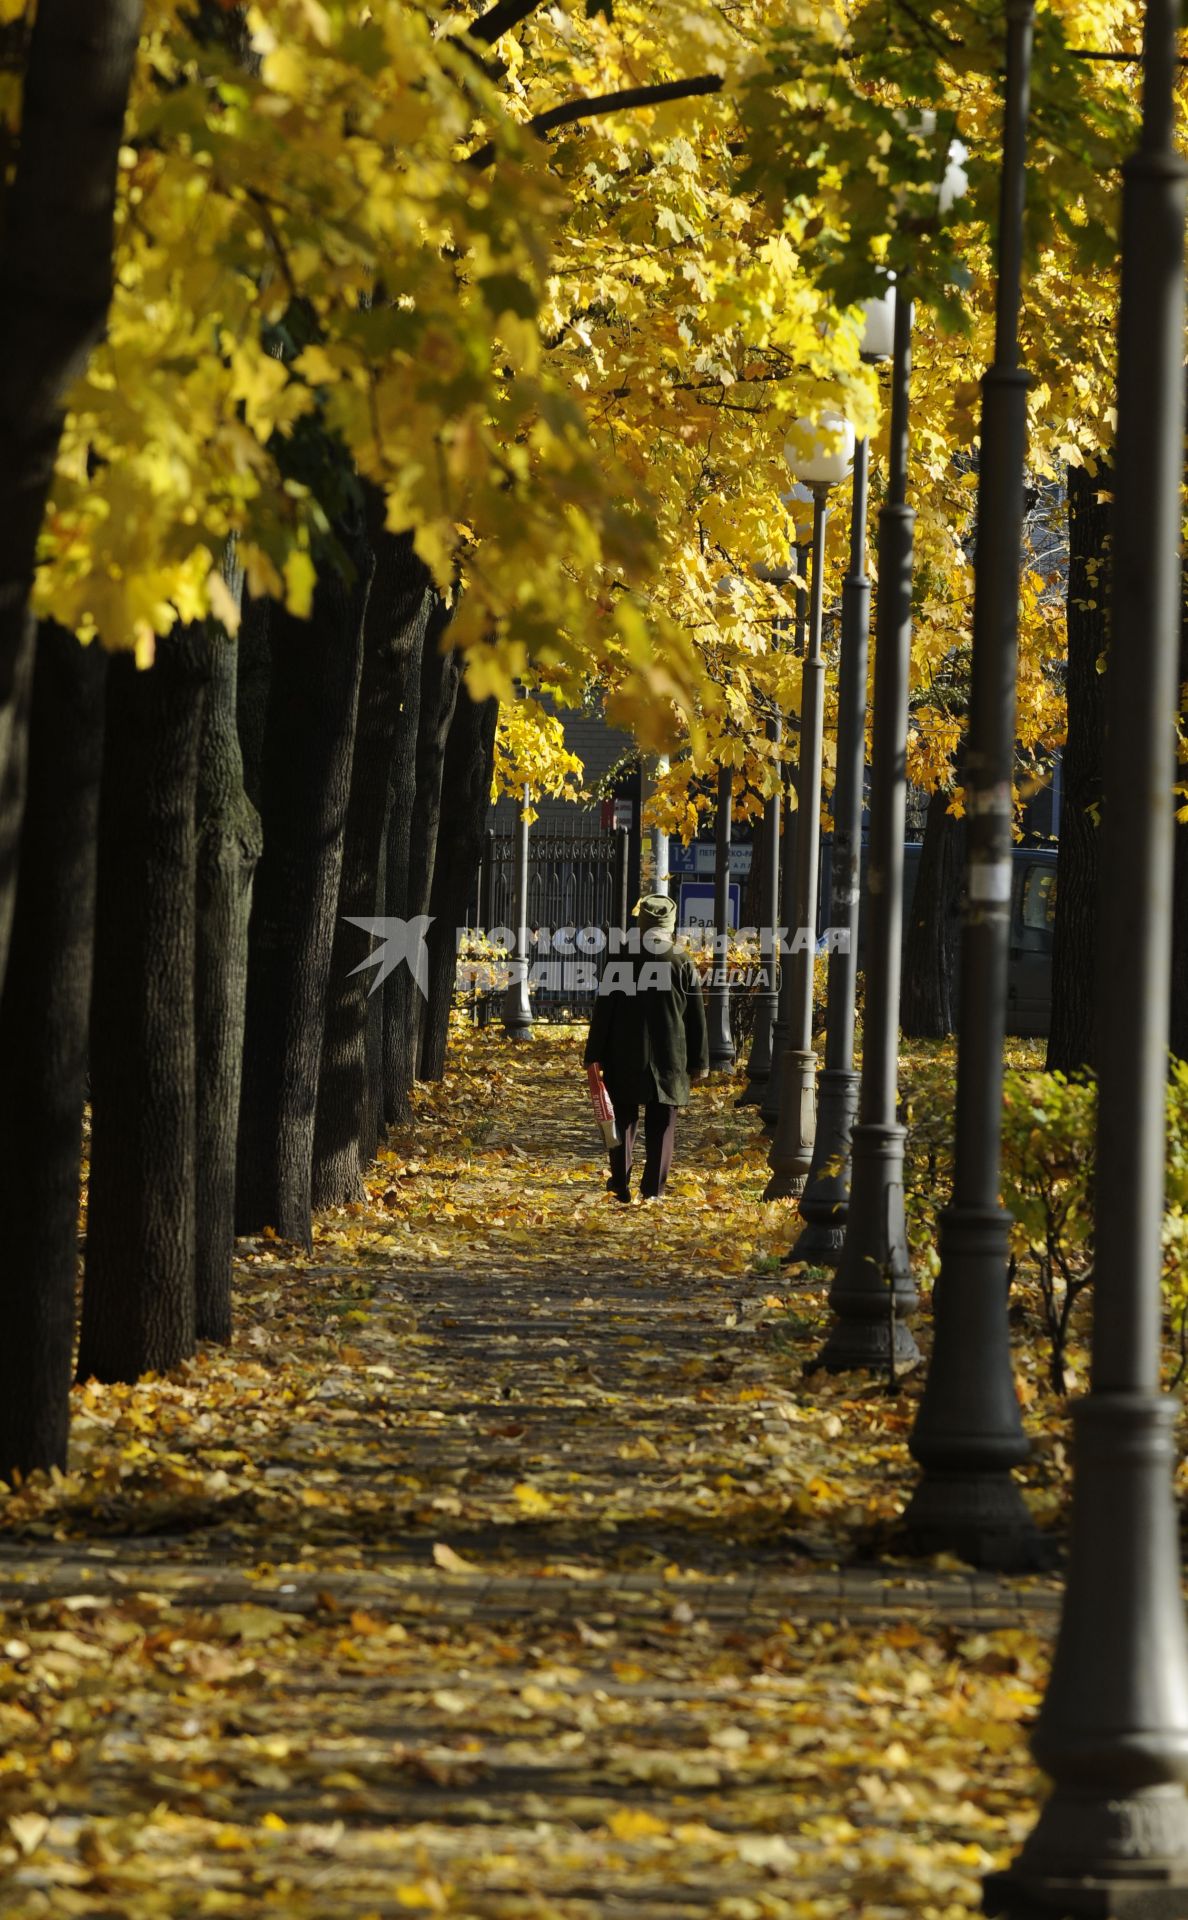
x,y
346,1132
412,851
465,793
304,788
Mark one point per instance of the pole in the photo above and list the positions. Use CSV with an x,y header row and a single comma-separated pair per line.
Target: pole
x,y
825,1200
721,1040
1113,1730
792,1149
769,1107
872,1290
659,839
517,1009
969,1432
487,913
622,899
767,1002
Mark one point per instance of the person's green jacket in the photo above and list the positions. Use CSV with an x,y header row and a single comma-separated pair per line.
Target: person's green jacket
x,y
650,1042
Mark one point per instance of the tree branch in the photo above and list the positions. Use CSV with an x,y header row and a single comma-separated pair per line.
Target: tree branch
x,y
501,18
595,106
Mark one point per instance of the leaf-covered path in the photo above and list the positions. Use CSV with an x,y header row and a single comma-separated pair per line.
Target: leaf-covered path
x,y
506,1566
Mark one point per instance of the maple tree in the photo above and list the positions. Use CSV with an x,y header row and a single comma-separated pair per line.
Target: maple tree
x,y
441,343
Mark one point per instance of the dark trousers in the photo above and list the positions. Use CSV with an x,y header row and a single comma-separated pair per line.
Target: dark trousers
x,y
659,1139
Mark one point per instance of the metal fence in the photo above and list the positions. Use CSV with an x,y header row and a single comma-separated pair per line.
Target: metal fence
x,y
576,878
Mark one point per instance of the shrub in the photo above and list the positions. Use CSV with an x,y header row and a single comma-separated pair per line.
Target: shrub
x,y
1048,1145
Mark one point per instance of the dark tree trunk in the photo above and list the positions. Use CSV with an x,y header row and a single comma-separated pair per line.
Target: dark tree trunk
x,y
373,1117
229,845
138,1300
253,678
397,611
14,751
928,1005
436,699
304,789
465,796
44,1011
55,286
397,1060
1071,1041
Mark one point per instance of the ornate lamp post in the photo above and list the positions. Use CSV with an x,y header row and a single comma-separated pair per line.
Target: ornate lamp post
x,y
1113,1732
824,1202
517,1009
769,1108
820,455
873,1290
766,1003
721,1040
969,1433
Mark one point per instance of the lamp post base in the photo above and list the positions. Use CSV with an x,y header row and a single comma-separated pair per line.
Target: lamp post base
x,y
1112,1839
873,1292
1154,1888
769,1104
791,1155
825,1202
759,1063
516,1012
969,1433
721,1040
980,1516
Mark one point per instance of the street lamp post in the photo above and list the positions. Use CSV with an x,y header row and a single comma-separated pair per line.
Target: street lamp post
x,y
517,1008
766,1003
1112,1838
969,1433
830,449
769,1107
872,1290
825,1200
721,1040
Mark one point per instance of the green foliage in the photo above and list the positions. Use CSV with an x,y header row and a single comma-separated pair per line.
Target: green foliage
x,y
1048,1163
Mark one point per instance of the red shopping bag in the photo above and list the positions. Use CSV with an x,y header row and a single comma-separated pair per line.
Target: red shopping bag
x,y
604,1113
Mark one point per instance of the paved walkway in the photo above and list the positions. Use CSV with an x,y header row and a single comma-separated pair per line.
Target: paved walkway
x,y
507,1591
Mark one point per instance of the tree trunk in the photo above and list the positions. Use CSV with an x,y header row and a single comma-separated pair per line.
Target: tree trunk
x,y
253,679
416,798
138,1300
928,1005
229,846
373,1115
1071,1040
14,753
465,796
397,611
304,787
397,1063
55,286
44,1011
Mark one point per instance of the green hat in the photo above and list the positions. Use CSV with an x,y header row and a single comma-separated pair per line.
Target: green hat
x,y
656,910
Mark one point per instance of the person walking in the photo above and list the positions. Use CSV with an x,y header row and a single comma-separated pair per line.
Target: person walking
x,y
648,1037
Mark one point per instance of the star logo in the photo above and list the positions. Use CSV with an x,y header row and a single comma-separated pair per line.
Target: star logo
x,y
403,940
